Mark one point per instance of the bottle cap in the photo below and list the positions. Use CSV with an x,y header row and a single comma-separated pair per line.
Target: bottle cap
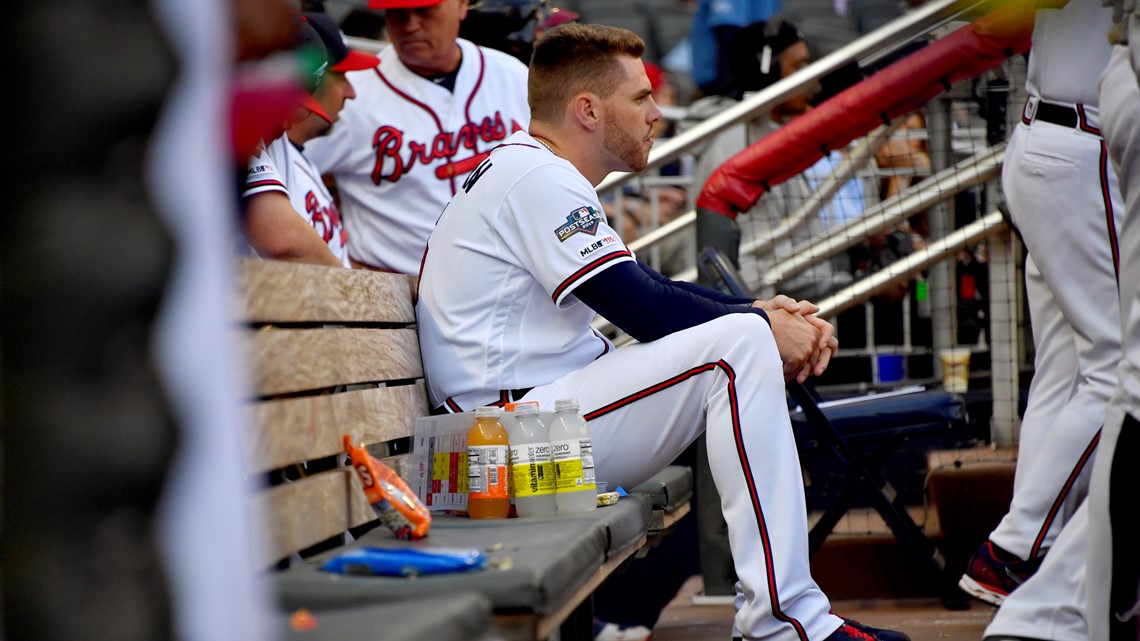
x,y
526,409
566,404
487,411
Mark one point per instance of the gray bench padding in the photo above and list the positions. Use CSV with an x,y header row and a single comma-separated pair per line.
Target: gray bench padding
x,y
625,522
456,617
541,562
669,489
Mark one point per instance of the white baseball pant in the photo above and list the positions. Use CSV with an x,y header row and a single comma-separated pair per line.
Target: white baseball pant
x,y
1112,608
646,402
1064,198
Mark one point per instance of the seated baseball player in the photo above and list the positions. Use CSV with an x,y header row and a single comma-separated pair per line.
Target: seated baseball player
x,y
523,258
288,213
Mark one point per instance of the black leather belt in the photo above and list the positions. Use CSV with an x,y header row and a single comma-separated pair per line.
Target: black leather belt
x,y
1052,113
505,396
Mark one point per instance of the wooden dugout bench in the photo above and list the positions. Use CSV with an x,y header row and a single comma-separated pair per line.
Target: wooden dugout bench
x,y
335,351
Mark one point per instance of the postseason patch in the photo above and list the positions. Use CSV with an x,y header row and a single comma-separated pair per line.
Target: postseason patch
x,y
584,219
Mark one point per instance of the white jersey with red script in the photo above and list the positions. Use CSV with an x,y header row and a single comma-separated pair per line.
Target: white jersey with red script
x,y
403,147
504,316
281,166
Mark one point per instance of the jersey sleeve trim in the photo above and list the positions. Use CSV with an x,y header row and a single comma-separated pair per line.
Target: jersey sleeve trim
x,y
581,273
263,186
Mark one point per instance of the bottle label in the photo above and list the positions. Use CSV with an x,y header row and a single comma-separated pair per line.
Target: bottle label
x,y
574,464
532,470
487,472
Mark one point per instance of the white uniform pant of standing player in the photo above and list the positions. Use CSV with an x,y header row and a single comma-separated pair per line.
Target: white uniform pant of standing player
x,y
1063,197
647,402
1120,103
1051,604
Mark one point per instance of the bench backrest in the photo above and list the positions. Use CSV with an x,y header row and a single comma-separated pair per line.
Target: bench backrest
x,y
332,351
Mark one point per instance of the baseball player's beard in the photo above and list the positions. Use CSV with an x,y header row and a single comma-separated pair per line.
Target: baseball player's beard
x,y
627,147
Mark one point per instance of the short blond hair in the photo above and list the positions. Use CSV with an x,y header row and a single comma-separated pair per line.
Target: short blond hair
x,y
575,57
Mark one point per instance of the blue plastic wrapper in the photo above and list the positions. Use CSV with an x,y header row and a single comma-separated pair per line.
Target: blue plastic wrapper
x,y
369,561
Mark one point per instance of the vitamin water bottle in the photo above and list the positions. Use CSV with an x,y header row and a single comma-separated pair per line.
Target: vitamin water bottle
x,y
532,468
573,459
488,495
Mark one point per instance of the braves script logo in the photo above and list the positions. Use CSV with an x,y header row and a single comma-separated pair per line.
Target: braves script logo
x,y
326,220
584,220
394,158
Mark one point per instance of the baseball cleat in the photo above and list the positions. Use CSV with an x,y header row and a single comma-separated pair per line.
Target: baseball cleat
x,y
852,630
993,573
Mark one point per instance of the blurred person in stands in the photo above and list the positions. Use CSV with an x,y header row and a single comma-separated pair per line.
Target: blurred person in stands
x,y
762,54
782,45
421,122
509,26
554,17
362,22
289,214
716,24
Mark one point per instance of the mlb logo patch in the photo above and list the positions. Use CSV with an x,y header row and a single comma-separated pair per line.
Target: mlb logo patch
x,y
584,220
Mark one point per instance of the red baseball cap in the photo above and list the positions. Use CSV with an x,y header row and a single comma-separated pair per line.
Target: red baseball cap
x,y
401,4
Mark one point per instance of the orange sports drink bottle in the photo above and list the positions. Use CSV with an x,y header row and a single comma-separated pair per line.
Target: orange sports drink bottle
x,y
488,492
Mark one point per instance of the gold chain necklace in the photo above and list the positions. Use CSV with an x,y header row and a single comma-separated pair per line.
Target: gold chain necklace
x,y
544,144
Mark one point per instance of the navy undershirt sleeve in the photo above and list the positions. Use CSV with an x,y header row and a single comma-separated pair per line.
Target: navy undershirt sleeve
x,y
720,297
648,307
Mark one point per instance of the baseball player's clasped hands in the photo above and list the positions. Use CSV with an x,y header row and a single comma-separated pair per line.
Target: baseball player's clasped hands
x,y
806,342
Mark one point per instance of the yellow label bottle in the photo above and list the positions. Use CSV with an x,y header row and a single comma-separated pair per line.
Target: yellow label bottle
x,y
488,489
573,455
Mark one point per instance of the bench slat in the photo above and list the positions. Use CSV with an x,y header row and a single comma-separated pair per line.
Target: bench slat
x,y
283,292
287,431
303,513
297,360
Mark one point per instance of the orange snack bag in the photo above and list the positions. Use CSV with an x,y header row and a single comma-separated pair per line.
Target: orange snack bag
x,y
395,503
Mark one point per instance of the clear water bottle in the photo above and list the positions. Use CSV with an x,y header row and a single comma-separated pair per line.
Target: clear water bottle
x,y
532,468
573,459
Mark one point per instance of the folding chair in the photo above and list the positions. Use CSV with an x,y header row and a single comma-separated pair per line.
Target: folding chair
x,y
881,421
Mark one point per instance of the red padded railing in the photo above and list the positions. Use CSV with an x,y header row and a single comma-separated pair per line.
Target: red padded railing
x,y
898,89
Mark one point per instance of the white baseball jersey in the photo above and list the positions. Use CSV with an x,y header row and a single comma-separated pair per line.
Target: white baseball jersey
x,y
508,293
281,166
497,312
403,147
1069,52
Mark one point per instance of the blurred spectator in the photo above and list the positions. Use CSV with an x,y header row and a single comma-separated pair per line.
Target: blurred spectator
x,y
362,22
289,214
715,25
782,44
554,17
506,25
421,122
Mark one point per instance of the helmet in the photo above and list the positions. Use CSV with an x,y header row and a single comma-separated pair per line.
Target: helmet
x,y
506,25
